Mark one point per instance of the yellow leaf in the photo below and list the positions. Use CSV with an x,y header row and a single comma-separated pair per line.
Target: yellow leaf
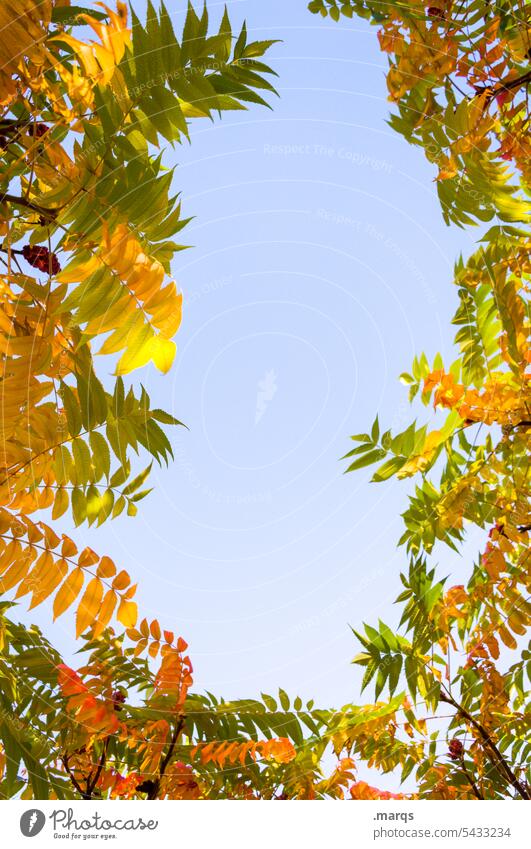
x,y
10,553
16,573
138,350
127,613
106,610
77,272
126,330
163,353
37,574
89,605
68,592
60,504
53,578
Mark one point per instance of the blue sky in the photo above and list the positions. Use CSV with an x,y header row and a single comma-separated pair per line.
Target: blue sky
x,y
320,267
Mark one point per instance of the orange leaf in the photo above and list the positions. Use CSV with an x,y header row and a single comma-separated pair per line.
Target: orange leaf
x,y
281,750
154,649
69,681
52,540
494,563
506,637
88,557
130,591
69,548
121,581
139,648
106,568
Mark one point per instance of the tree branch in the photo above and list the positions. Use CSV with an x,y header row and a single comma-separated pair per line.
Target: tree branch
x,y
492,750
508,85
8,125
153,793
84,794
51,214
475,789
92,784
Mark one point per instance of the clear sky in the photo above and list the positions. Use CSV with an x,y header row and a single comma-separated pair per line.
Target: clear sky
x,y
320,267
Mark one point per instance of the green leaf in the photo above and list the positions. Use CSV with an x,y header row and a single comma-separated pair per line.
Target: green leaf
x,y
269,702
388,469
82,461
138,481
284,699
361,437
118,507
67,16
101,455
61,503
120,476
79,506
366,460
72,410
165,418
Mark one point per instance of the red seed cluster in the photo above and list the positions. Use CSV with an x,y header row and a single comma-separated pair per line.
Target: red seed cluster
x,y
118,699
436,12
40,257
147,786
40,129
455,749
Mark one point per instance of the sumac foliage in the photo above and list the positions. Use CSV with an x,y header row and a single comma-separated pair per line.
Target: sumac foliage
x,y
88,219
460,663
